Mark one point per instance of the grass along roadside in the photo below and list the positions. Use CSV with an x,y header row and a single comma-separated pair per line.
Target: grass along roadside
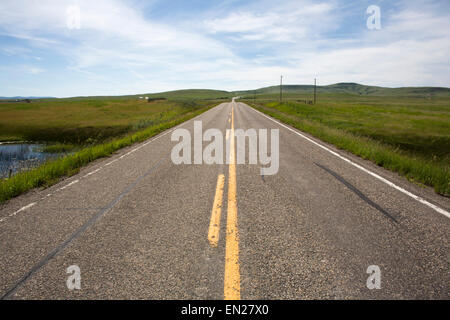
x,y
433,170
51,172
87,121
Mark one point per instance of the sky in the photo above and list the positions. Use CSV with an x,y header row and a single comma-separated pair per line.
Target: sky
x,y
116,47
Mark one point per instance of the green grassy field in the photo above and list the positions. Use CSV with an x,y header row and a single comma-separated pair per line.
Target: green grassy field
x,y
84,121
89,127
409,135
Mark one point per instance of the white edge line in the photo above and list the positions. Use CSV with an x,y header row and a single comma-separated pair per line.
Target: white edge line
x,y
111,162
68,185
20,210
92,172
393,185
24,208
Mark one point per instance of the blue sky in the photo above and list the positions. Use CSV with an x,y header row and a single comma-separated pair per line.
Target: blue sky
x,y
129,47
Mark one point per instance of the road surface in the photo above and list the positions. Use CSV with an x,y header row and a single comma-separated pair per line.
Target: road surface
x,y
140,227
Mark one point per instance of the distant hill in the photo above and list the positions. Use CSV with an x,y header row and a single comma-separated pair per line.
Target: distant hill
x,y
343,88
338,88
192,93
176,94
21,98
353,88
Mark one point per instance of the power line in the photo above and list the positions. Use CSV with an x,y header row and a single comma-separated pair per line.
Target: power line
x,y
281,89
315,82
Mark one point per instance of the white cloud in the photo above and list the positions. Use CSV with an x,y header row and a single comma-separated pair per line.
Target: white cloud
x,y
286,22
34,70
110,30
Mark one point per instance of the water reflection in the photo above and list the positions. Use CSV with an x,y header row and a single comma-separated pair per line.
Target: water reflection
x,y
24,156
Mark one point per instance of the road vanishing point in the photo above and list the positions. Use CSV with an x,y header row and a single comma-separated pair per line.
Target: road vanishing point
x,y
140,227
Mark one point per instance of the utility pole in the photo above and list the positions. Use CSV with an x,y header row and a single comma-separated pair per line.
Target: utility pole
x,y
254,96
281,89
315,90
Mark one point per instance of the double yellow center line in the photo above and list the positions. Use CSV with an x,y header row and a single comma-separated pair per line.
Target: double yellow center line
x,y
232,289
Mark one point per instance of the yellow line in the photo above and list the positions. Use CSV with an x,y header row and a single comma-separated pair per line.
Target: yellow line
x,y
232,286
214,224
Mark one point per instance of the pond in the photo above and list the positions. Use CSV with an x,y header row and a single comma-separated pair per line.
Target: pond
x,y
17,157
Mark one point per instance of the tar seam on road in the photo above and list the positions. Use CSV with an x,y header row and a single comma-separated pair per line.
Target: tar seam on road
x,y
77,233
232,286
82,209
357,192
386,181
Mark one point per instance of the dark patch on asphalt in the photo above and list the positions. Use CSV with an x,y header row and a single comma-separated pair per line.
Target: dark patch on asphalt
x,y
76,234
358,192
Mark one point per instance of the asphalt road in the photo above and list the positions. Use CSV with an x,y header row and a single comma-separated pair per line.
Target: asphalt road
x,y
139,226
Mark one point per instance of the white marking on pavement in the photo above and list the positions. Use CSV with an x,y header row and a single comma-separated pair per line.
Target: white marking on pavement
x,y
393,185
68,185
91,173
24,208
20,210
45,197
111,162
